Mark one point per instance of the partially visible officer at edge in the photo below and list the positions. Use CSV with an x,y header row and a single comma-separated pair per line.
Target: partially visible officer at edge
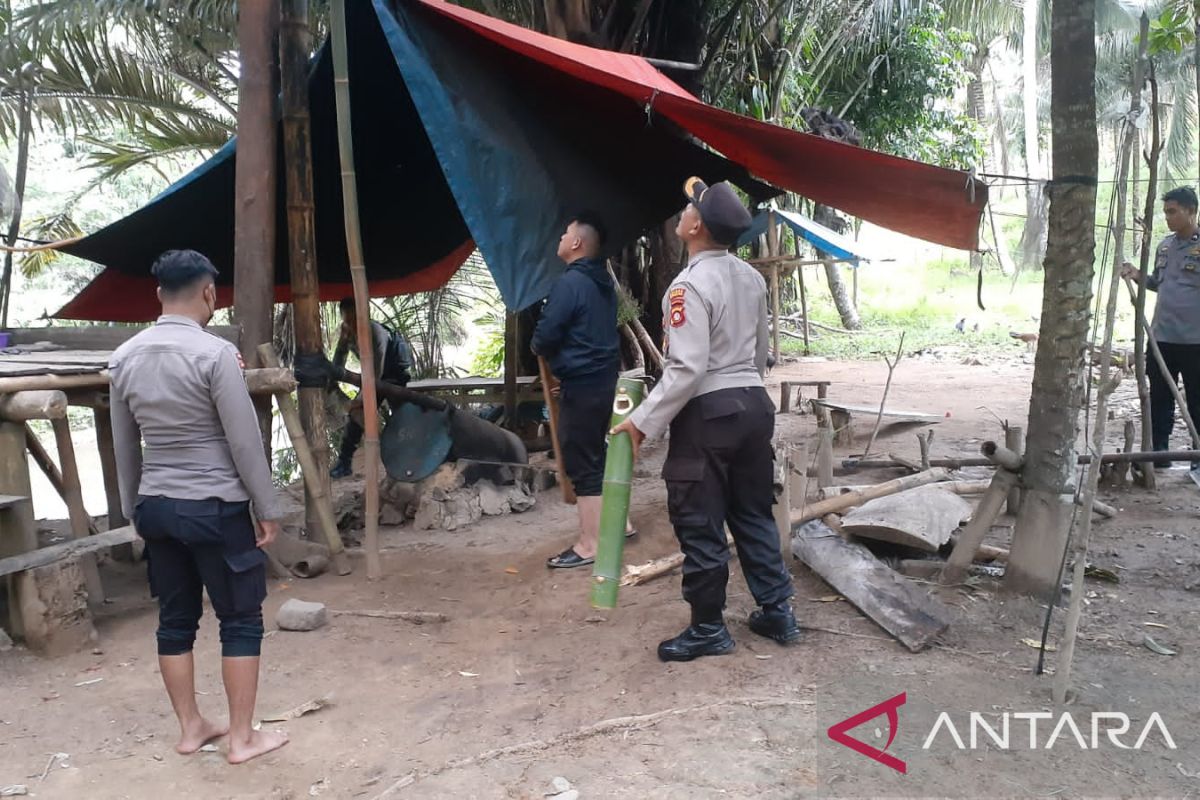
x,y
1176,328
188,489
719,467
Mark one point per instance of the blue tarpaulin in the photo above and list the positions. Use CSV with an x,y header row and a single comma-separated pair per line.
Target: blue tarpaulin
x,y
827,240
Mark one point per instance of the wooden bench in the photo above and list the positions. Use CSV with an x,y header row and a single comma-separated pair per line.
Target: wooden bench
x,y
785,393
841,417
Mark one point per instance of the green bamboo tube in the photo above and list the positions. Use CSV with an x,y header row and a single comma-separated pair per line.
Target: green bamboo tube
x,y
614,506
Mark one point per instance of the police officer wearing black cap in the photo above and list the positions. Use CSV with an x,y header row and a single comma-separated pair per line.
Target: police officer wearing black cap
x,y
719,467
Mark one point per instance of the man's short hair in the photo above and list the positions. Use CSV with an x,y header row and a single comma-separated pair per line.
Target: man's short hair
x,y
177,270
1185,196
592,220
346,304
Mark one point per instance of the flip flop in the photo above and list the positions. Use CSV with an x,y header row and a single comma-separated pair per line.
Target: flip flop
x,y
632,532
567,559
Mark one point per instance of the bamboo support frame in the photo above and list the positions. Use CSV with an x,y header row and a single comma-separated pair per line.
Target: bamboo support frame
x,y
358,275
310,469
73,494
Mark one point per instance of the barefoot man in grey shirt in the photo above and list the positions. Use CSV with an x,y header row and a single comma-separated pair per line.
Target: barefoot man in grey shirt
x,y
190,463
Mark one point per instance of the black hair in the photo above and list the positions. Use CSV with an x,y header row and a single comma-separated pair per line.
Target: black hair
x,y
1185,196
346,304
177,270
592,220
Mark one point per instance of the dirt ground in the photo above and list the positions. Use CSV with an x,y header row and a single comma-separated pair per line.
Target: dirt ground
x,y
524,662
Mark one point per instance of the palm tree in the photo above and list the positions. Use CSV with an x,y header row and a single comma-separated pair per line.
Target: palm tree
x,y
1059,378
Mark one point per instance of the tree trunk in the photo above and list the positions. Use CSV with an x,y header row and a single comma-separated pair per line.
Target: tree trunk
x,y
1059,377
14,225
294,49
1033,238
1196,52
254,212
837,287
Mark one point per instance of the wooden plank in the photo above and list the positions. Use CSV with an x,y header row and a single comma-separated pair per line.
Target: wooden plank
x,y
64,550
922,518
50,470
98,337
922,416
564,480
896,605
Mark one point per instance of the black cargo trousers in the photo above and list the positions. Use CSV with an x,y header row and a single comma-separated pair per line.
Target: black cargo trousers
x,y
720,470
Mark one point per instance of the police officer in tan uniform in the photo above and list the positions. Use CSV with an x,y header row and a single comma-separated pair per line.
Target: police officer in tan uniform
x,y
719,467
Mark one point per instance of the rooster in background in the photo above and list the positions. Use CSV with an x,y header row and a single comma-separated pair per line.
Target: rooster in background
x,y
1030,339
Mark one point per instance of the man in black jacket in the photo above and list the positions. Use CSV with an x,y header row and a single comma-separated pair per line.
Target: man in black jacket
x,y
577,334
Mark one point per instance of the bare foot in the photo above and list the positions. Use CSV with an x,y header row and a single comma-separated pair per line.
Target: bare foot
x,y
260,743
196,736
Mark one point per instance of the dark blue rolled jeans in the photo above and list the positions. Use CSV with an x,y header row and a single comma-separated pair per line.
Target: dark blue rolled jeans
x,y
197,545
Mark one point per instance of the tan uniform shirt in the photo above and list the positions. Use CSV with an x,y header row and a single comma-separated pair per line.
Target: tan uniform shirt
x,y
180,390
715,317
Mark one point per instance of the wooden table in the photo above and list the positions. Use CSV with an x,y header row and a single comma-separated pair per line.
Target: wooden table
x,y
785,392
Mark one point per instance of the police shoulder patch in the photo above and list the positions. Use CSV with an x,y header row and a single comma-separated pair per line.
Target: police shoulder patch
x,y
678,310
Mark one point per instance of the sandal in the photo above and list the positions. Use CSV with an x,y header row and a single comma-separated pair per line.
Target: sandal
x,y
567,559
632,532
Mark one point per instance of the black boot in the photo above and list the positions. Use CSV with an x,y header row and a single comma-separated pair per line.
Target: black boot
x,y
776,621
700,639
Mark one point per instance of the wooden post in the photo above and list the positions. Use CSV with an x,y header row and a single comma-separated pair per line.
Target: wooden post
x,y
981,521
51,471
254,207
358,275
108,471
783,504
1014,440
841,502
925,441
511,367
310,470
294,49
825,456
18,529
564,480
773,251
803,296
80,522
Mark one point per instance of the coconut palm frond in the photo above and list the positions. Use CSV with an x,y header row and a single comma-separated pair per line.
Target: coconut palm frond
x,y
52,229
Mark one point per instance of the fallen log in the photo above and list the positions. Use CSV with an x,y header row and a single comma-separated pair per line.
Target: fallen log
x,y
842,502
957,487
897,606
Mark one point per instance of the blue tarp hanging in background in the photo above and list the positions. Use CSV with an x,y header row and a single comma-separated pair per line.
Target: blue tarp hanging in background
x,y
824,239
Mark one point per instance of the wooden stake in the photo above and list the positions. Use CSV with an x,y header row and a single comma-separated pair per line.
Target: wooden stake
x,y
803,297
294,49
773,251
42,458
783,504
825,456
891,365
358,275
511,368
925,441
309,470
73,493
842,502
1014,440
108,471
564,480
981,522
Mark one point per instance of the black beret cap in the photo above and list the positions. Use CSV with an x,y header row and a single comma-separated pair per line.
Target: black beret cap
x,y
720,209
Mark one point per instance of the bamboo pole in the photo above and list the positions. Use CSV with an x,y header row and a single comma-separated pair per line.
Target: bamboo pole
x,y
981,521
803,295
773,251
258,381
310,470
358,275
108,472
81,524
1149,479
294,49
842,502
511,367
564,480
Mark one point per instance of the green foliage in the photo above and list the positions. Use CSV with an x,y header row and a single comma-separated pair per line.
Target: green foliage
x,y
1170,32
902,101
